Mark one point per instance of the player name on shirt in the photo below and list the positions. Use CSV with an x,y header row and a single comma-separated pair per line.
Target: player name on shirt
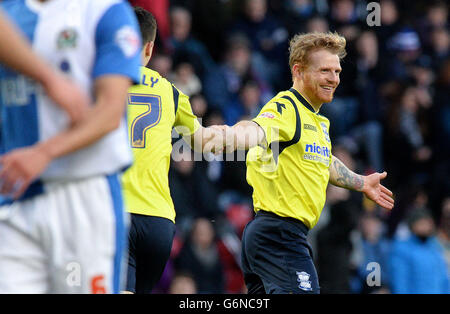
x,y
149,81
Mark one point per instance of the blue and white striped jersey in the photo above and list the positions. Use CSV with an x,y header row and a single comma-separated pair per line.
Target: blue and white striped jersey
x,y
85,39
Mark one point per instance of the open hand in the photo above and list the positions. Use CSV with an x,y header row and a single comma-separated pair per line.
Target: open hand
x,y
376,192
19,168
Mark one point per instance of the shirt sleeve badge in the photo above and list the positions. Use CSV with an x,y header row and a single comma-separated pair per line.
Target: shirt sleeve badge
x,y
128,40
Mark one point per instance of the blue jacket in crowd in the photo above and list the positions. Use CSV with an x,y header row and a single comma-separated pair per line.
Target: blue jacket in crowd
x,y
418,267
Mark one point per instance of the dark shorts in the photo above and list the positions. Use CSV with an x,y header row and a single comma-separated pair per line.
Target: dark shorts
x,y
150,242
276,257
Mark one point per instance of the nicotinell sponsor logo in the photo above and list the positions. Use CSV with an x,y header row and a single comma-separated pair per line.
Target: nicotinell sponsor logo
x,y
321,150
317,153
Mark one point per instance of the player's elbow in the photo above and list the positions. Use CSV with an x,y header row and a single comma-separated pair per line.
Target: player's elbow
x,y
113,126
111,100
112,116
114,122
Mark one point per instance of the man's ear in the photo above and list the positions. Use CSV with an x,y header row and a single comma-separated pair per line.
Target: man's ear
x,y
149,48
297,71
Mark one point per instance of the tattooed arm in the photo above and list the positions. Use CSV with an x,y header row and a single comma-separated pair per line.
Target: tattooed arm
x,y
370,185
343,177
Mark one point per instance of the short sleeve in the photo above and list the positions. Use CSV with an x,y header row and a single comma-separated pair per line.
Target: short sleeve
x,y
186,122
277,119
118,43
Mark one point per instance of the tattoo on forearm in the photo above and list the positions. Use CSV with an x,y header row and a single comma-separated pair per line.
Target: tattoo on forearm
x,y
346,178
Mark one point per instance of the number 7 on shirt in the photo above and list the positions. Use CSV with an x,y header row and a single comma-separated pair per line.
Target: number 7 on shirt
x,y
146,120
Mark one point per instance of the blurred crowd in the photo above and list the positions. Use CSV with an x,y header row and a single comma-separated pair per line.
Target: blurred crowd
x,y
391,112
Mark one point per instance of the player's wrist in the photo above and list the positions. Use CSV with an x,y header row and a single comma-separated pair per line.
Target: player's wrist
x,y
232,138
361,185
46,76
45,150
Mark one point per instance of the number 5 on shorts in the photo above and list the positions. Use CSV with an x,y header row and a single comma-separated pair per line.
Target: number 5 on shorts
x,y
146,120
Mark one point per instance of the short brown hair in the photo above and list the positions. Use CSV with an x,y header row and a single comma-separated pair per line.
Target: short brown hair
x,y
301,45
147,24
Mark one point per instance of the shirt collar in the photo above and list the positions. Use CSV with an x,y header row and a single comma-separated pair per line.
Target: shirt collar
x,y
302,99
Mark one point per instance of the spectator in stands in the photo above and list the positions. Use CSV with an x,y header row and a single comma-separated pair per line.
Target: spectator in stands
x,y
193,193
443,233
439,46
246,106
417,264
422,75
317,24
435,17
181,43
344,18
229,231
185,79
406,144
235,189
222,86
269,41
183,283
296,13
162,63
370,244
405,48
199,105
210,22
333,240
440,122
200,256
390,24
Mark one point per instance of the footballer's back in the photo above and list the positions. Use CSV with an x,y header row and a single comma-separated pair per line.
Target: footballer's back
x,y
155,107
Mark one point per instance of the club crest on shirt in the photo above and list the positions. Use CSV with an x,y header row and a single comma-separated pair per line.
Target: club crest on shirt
x,y
325,131
303,280
67,38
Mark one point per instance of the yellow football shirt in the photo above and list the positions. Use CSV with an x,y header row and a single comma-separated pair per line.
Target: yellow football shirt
x,y
290,176
155,107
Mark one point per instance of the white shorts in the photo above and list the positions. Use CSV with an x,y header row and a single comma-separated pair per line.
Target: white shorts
x,y
71,239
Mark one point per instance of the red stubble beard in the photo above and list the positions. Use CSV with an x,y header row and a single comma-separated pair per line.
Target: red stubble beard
x,y
317,93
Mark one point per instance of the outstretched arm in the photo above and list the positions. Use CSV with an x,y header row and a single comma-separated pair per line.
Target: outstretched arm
x,y
343,177
200,139
370,185
242,136
247,134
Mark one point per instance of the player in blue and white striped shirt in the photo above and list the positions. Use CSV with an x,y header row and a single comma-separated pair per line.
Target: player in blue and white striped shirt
x,y
65,229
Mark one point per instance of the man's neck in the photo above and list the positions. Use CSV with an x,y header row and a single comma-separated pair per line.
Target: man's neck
x,y
299,88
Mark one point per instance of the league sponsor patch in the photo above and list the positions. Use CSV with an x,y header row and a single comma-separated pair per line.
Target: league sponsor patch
x,y
267,115
128,40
